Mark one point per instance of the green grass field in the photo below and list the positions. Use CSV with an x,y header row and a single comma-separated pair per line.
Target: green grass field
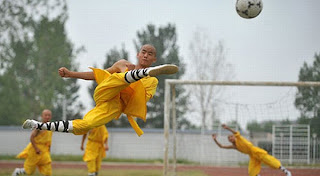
x,y
112,172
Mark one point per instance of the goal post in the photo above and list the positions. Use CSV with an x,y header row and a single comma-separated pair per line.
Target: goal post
x,y
170,107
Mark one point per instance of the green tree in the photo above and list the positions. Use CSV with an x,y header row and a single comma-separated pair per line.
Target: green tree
x,y
12,104
52,50
254,126
33,65
307,98
164,40
265,126
17,19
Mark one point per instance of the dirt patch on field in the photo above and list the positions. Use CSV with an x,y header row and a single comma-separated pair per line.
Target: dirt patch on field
x,y
210,170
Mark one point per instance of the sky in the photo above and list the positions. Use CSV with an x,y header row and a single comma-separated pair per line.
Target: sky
x,y
270,47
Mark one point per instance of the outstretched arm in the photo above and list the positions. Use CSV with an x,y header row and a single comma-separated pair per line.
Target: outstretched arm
x,y
118,67
214,137
121,66
64,72
227,128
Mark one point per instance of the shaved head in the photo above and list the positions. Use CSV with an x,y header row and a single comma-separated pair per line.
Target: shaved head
x,y
46,115
46,111
150,47
146,56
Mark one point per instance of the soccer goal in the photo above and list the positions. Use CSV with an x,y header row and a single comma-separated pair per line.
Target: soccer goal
x,y
231,108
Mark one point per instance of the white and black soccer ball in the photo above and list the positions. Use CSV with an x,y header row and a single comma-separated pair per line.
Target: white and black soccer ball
x,y
249,8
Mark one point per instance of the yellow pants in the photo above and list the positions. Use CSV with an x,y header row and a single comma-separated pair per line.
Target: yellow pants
x,y
43,162
255,164
108,104
94,165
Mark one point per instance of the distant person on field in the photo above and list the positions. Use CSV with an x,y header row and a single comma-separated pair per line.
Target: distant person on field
x,y
37,152
96,148
256,154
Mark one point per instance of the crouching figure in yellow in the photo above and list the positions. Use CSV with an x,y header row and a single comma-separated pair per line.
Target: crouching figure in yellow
x,y
96,148
37,152
256,154
122,88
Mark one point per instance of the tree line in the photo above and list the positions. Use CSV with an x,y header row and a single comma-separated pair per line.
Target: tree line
x,y
34,44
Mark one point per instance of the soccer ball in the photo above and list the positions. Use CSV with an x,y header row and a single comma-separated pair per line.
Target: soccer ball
x,y
248,8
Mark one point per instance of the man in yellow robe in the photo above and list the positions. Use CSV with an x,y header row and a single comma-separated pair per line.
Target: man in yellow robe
x,y
256,154
96,148
37,152
122,88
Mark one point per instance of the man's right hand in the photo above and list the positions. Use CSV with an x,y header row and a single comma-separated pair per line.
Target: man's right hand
x,y
224,126
63,72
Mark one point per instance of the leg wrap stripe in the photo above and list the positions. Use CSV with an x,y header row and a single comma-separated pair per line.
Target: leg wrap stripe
x,y
125,78
66,126
56,125
138,71
48,124
39,126
133,75
144,71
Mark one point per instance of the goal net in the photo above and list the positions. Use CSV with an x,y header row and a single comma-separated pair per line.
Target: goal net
x,y
263,112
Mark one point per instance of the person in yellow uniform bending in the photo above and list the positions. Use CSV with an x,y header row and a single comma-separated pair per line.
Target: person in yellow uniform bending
x,y
95,149
37,152
256,154
122,88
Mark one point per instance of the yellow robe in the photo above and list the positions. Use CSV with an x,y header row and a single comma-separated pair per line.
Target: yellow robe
x,y
95,143
94,152
42,160
256,154
114,96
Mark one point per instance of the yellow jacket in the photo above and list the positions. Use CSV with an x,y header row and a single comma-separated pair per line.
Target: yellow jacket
x,y
43,142
246,147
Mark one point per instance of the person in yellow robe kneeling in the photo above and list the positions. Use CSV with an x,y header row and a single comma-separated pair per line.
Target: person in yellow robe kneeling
x,y
257,155
96,148
37,152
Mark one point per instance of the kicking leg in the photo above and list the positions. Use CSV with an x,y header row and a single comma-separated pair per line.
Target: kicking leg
x,y
286,171
274,163
18,171
135,75
100,115
61,126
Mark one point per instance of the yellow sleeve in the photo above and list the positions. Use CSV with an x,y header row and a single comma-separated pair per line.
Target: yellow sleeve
x,y
241,138
237,134
100,74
